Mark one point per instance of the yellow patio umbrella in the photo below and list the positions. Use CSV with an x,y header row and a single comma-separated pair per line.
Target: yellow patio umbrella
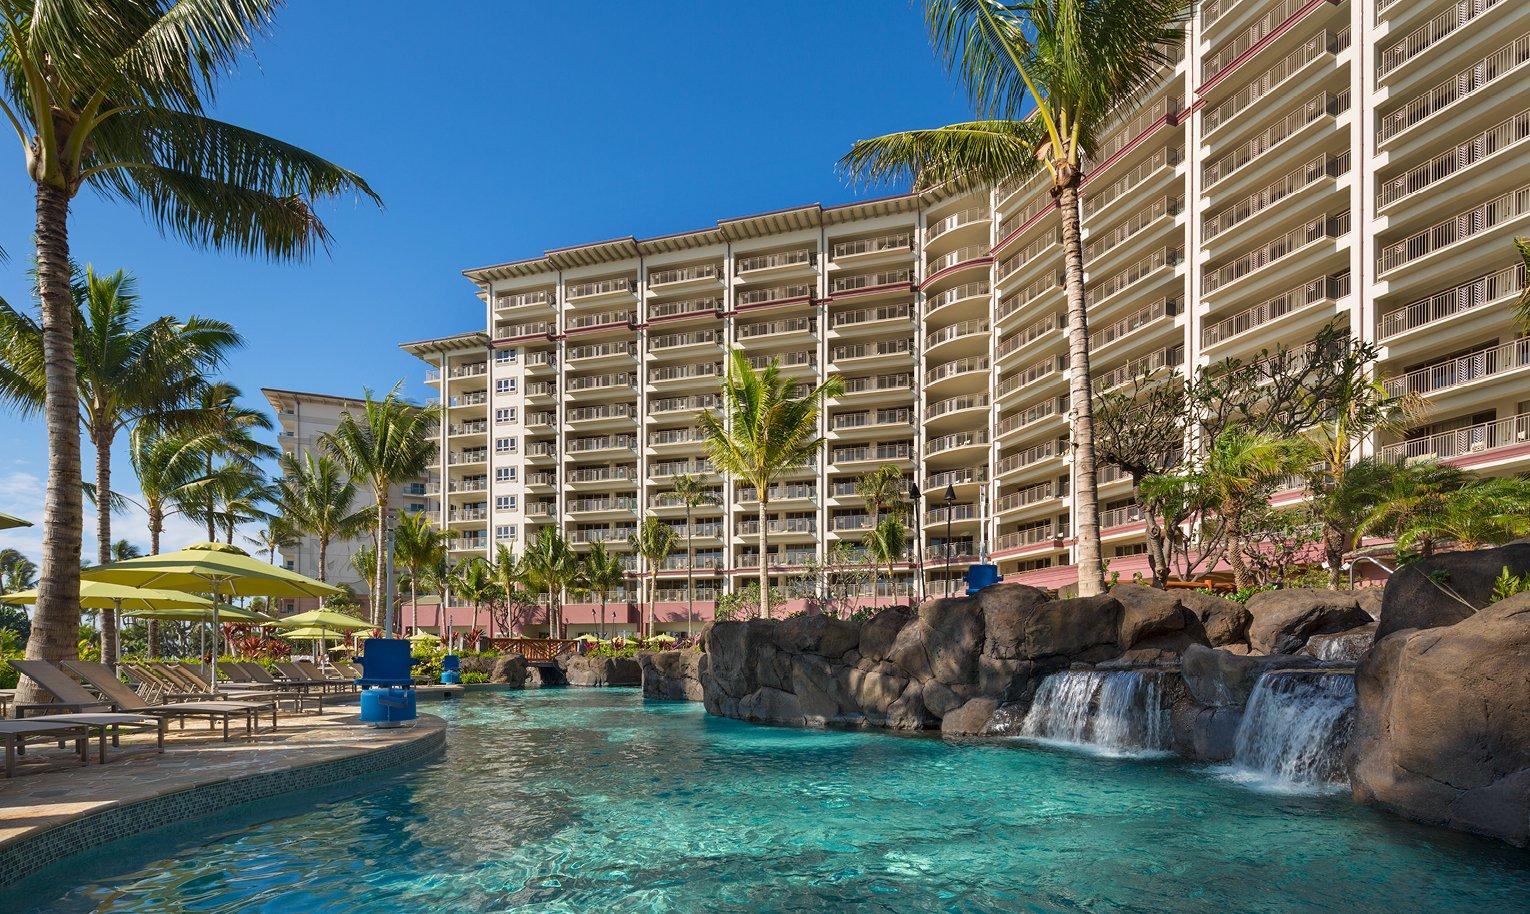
x,y
216,568
7,521
226,613
307,634
424,637
325,618
125,599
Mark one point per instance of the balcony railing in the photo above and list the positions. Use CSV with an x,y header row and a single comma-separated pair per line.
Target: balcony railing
x,y
601,350
685,372
602,443
1314,48
960,255
1159,259
869,419
1320,105
775,293
1030,536
791,491
957,293
1231,50
1501,137
1043,410
1304,176
460,458
1451,373
1030,495
777,328
1120,517
1467,81
1272,309
1136,321
959,439
681,404
1142,220
588,505
1028,334
901,450
1430,33
869,315
604,411
689,306
523,299
1042,287
842,523
842,284
541,449
471,370
957,513
1034,454
676,436
897,241
683,274
846,351
902,381
1286,245
1134,127
1094,201
604,474
1505,208
541,417
1014,263
1492,289
594,382
957,477
772,261
673,500
601,287
467,428
955,221
1167,357
956,404
676,340
477,398
1021,217
1029,375
968,365
664,468
530,328
799,359
601,319
1462,442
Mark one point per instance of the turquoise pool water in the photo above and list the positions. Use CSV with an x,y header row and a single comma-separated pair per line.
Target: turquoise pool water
x,y
592,800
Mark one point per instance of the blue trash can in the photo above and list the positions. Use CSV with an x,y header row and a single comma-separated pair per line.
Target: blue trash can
x,y
391,706
981,576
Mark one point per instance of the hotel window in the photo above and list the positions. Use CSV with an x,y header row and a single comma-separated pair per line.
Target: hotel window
x,y
504,386
504,414
504,502
504,474
504,532
503,356
504,445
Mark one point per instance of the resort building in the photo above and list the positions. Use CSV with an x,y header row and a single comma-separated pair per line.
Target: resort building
x,y
302,420
1306,162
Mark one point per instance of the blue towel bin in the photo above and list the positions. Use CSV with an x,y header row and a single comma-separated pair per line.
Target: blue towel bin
x,y
981,576
387,707
451,662
451,677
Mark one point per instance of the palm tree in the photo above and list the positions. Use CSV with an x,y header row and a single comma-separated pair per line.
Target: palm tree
x,y
1488,512
112,94
17,572
316,497
762,433
239,489
1408,498
365,563
1074,66
388,443
477,584
169,469
886,544
278,533
125,371
227,430
551,566
882,489
603,572
1237,475
442,577
654,541
418,545
693,492
1522,307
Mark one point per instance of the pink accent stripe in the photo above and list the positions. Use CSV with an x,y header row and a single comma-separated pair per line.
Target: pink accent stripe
x,y
680,317
872,290
1261,44
595,327
1021,230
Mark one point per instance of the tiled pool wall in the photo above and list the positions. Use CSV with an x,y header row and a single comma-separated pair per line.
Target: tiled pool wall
x,y
29,853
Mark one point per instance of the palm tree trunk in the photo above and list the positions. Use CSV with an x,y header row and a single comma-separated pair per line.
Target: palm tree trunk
x,y
323,556
764,560
1086,505
103,445
156,525
414,605
378,610
690,565
1235,551
212,506
56,620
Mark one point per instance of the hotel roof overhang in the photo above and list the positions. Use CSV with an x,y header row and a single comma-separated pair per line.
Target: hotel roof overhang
x,y
741,229
276,396
441,345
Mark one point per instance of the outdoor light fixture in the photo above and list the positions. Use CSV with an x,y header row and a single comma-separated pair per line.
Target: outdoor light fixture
x,y
950,551
913,499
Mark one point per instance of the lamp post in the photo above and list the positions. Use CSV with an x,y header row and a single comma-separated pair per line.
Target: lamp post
x,y
950,503
913,499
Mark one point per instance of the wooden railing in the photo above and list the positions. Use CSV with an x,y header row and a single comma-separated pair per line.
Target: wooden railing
x,y
534,648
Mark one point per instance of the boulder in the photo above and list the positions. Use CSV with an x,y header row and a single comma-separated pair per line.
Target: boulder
x,y
1442,727
816,633
970,719
1446,588
1204,734
1225,622
671,675
1346,647
1079,629
600,672
952,631
1283,620
1153,618
509,669
1217,678
880,632
540,676
772,706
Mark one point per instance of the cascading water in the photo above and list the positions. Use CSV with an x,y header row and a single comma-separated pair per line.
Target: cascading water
x,y
1119,712
1295,729
1348,647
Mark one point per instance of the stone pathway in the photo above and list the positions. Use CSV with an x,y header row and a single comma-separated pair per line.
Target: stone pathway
x,y
37,799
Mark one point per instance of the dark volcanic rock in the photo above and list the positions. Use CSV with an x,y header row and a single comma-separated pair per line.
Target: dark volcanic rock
x,y
509,669
1442,729
1347,646
580,670
1153,618
671,675
1446,588
1225,622
1285,619
1219,679
970,719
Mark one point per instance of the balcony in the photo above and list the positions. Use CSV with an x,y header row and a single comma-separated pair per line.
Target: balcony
x,y
968,253
541,417
1141,221
606,411
956,441
613,534
470,484
1030,536
1013,221
693,372
1029,256
774,294
955,405
1502,137
1500,210
677,275
467,457
541,449
1482,438
619,379
477,427
789,326
666,468
1319,46
1293,182
1029,375
958,477
1138,124
1327,290
1498,288
956,513
601,351
956,368
901,450
901,382
845,320
530,328
955,221
674,436
602,503
1030,495
850,523
1321,105
1467,82
970,290
476,398
626,473
1163,258
895,242
868,419
536,297
536,361
785,360
602,319
470,370
1120,517
623,285
852,352
1228,52
1052,406
789,491
457,515
1142,317
1028,334
1031,455
661,405
687,308
1144,171
862,282
800,525
758,262
1287,245
681,340
1031,294
1168,357
1430,34
602,443
1490,362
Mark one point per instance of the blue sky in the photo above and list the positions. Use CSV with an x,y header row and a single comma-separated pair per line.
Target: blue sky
x,y
494,131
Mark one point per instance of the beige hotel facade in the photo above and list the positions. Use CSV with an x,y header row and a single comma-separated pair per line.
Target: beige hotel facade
x,y
1306,162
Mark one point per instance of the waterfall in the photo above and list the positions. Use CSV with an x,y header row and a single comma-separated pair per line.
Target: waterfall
x,y
1295,729
1118,712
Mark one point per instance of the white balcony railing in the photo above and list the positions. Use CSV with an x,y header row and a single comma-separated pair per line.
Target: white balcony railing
x,y
771,261
1492,289
1468,81
1451,373
1286,245
1461,442
897,241
1497,139
1271,309
1505,208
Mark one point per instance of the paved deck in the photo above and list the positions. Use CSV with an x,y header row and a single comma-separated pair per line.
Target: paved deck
x,y
48,814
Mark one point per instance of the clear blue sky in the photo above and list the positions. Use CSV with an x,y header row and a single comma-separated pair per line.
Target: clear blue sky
x,y
494,130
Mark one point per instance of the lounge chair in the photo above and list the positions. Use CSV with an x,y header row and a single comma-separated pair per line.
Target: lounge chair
x,y
100,678
157,687
113,724
233,673
313,672
244,692
299,692
70,695
17,733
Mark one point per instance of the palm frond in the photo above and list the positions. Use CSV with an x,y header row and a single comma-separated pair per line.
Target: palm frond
x,y
969,153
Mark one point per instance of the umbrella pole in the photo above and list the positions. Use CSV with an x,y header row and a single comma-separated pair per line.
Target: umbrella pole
x,y
217,636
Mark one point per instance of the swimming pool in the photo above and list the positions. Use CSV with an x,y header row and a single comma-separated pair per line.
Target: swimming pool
x,y
592,800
